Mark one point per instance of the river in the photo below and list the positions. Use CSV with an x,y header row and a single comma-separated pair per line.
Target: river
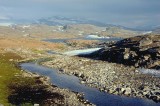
x,y
93,95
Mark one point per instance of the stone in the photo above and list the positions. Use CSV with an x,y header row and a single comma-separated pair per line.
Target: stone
x,y
118,90
136,71
133,53
158,52
146,57
36,104
143,49
145,92
158,98
82,82
76,74
111,90
115,92
137,51
156,92
141,87
145,41
61,70
127,91
154,98
126,56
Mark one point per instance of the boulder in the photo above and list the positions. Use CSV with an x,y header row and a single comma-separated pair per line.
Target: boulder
x,y
139,51
145,41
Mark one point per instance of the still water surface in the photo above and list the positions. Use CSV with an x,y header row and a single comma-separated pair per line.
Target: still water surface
x,y
92,94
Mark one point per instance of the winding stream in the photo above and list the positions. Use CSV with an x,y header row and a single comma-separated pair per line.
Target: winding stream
x,y
101,39
93,95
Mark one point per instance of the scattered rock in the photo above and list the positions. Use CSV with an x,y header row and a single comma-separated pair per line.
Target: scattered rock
x,y
127,91
109,77
140,51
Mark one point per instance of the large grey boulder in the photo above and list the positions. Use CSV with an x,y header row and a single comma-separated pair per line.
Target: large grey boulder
x,y
140,51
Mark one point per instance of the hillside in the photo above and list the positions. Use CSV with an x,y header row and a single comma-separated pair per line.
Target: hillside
x,y
139,51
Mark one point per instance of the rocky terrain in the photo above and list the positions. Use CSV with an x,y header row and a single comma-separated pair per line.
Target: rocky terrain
x,y
108,77
26,89
135,52
43,93
120,32
19,87
81,44
41,31
26,41
141,51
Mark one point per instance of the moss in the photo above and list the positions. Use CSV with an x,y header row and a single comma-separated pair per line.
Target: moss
x,y
8,71
15,89
38,51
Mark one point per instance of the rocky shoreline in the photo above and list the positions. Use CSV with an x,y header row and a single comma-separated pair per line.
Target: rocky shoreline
x,y
44,93
108,77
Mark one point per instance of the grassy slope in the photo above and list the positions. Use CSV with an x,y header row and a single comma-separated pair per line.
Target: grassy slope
x,y
8,71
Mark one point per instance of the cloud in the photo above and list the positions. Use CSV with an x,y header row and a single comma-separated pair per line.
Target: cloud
x,y
4,17
123,12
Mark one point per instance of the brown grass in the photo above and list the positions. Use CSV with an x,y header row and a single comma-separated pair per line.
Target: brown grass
x,y
27,43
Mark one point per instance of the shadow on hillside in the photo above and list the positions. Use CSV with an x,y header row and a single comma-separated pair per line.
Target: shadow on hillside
x,y
33,94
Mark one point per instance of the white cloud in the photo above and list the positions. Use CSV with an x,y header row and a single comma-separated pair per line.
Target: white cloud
x,y
4,17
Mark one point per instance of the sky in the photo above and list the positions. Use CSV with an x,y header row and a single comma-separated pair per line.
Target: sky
x,y
129,13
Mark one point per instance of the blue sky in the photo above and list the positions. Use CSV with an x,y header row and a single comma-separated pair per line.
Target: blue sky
x,y
130,13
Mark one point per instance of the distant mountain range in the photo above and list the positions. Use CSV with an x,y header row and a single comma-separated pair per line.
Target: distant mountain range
x,y
56,20
60,20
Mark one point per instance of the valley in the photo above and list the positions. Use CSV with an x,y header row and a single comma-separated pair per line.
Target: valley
x,y
52,48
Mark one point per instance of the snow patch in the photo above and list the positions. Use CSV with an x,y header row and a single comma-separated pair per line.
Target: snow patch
x,y
150,71
81,52
25,26
148,32
96,37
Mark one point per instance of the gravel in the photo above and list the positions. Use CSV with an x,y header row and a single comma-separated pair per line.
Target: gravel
x,y
109,77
